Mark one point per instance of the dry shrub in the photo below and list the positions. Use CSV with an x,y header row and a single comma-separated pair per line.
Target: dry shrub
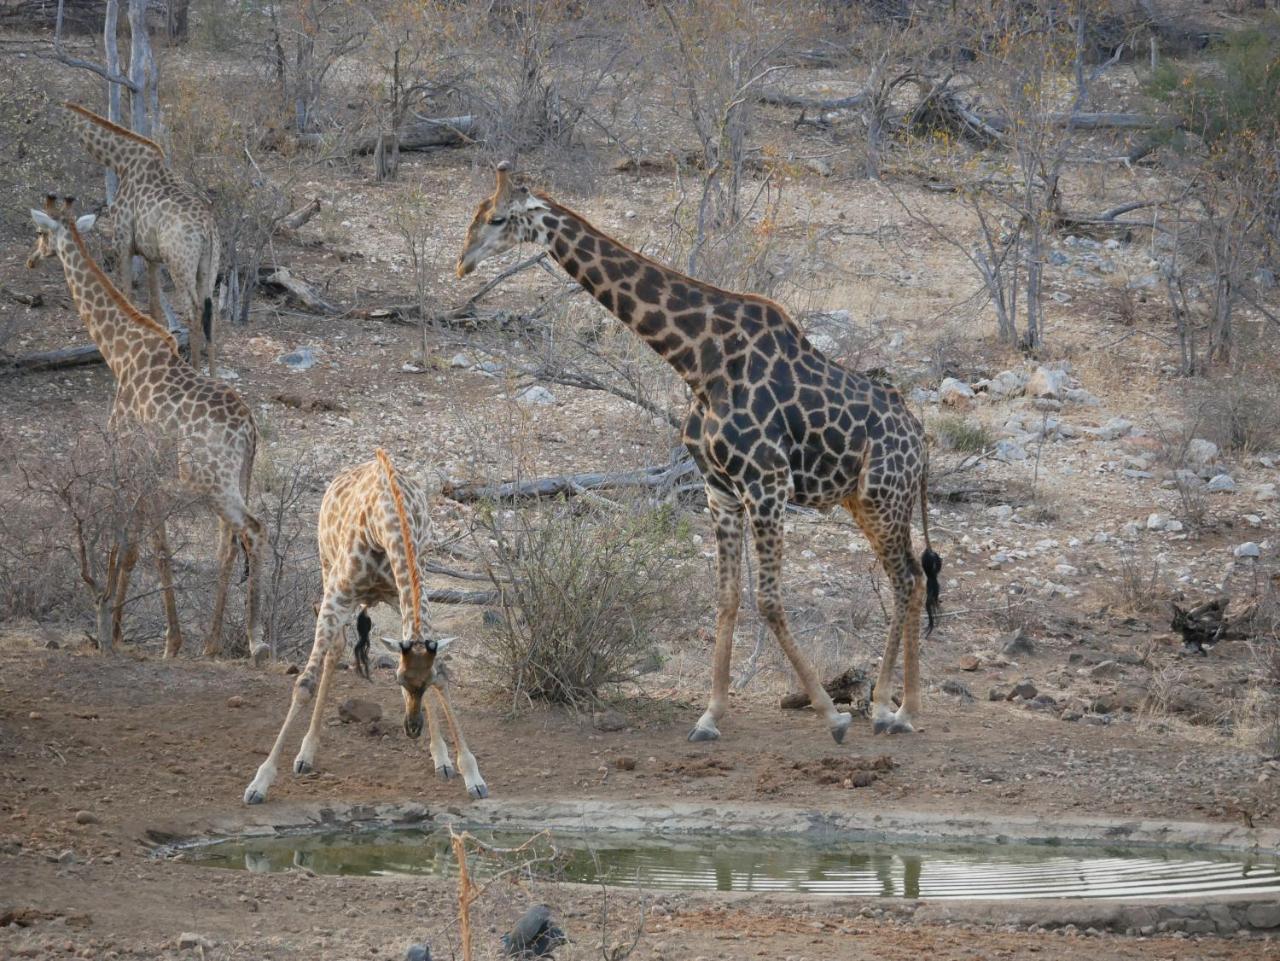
x,y
1240,411
959,433
1136,586
592,594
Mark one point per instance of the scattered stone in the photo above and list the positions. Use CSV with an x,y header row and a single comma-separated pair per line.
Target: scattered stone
x,y
955,393
1253,520
954,687
795,701
1047,383
1015,644
235,700
609,721
1248,549
624,763
291,669
35,716
1173,526
535,935
86,817
304,358
418,952
536,394
1114,429
1007,383
997,694
1023,689
358,710
1043,702
1010,451
1078,395
968,662
1105,669
1070,715
459,361
1265,492
1201,453
50,644
1221,484
1002,513
189,940
67,857
1263,915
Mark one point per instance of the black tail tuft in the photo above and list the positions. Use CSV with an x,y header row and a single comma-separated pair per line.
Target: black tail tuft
x,y
932,565
361,651
206,320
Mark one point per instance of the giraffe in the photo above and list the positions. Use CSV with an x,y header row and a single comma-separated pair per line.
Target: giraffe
x,y
162,219
211,427
771,421
374,525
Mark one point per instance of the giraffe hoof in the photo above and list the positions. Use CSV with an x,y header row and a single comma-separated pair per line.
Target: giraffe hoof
x,y
446,772
302,767
841,727
254,796
478,790
700,733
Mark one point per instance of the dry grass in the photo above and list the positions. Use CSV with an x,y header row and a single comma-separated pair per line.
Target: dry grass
x,y
1136,586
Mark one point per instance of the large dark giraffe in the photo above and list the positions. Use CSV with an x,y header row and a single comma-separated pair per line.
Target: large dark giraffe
x,y
772,420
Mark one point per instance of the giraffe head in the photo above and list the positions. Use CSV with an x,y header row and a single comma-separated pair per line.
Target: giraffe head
x,y
54,225
501,222
415,674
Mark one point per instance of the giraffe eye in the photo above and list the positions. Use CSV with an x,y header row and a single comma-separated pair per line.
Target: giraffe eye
x,y
497,221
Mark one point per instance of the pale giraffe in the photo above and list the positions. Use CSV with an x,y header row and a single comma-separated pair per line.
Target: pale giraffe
x,y
162,219
208,424
374,526
772,420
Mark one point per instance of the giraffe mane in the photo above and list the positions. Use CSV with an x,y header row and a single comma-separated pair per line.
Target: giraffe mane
x,y
115,128
411,554
666,268
131,312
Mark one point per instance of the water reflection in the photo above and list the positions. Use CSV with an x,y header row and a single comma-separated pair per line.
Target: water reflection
x,y
753,863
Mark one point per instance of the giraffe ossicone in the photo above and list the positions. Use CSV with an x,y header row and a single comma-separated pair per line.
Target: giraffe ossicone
x,y
771,420
374,526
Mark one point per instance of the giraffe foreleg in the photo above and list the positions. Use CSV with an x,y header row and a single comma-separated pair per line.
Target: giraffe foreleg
x,y
766,522
251,541
466,760
127,563
727,515
329,621
439,750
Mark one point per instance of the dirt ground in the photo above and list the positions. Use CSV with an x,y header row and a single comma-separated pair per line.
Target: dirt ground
x,y
95,752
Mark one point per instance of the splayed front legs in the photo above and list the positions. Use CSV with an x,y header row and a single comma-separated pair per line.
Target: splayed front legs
x,y
439,753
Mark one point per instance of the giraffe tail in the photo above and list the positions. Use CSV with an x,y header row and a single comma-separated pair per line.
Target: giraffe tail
x,y
206,320
929,560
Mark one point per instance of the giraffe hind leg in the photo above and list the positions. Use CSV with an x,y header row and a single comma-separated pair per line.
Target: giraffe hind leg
x,y
889,533
727,515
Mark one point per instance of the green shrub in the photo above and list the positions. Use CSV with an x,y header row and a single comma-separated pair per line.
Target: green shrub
x,y
956,432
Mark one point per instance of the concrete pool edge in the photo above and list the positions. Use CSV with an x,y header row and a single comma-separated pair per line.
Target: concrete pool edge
x,y
1222,915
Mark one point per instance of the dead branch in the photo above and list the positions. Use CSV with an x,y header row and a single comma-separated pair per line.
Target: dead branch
x,y
777,98
452,596
300,216
273,279
646,478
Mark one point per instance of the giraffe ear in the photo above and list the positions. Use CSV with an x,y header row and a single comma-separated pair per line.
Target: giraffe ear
x,y
443,643
85,223
42,219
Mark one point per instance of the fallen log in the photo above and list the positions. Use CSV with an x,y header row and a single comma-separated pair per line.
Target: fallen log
x,y
478,598
29,300
67,357
418,135
300,216
646,478
777,98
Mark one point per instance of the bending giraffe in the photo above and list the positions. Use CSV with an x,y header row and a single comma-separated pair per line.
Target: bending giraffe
x,y
161,219
208,422
374,525
771,421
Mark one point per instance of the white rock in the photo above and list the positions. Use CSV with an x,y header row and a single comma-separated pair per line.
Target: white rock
x,y
897,341
1010,451
922,395
1221,484
1248,549
189,940
1173,526
1047,383
825,343
1007,383
1157,522
954,393
1253,520
1002,512
537,394
1078,395
1065,570
1113,429
1265,492
1201,452
460,360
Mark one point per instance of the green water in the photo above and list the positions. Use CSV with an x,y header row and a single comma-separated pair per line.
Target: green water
x,y
753,863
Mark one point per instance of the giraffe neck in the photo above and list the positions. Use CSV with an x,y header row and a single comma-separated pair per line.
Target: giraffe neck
x,y
129,341
682,319
112,145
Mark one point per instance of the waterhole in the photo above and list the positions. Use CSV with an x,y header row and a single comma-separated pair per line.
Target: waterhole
x,y
753,863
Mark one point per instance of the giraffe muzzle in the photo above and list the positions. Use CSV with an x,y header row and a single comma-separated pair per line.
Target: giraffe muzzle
x,y
413,725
